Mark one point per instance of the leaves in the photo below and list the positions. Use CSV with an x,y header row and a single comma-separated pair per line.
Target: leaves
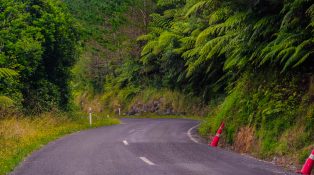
x,y
38,42
225,38
5,72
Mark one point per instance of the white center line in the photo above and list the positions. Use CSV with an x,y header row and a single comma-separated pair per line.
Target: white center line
x,y
144,159
190,135
125,142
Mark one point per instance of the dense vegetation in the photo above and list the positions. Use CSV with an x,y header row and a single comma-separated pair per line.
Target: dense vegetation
x,y
257,53
38,46
110,30
204,46
250,61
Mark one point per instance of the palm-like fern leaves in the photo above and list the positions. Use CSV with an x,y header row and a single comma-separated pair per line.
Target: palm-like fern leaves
x,y
5,72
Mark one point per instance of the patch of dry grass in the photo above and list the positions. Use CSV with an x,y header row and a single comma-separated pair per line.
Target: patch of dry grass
x,y
19,136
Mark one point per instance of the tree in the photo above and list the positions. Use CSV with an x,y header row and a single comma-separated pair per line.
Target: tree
x,y
38,40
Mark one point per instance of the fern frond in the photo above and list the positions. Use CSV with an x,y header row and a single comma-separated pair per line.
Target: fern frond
x,y
305,57
156,30
300,54
196,8
5,72
149,47
219,29
191,54
209,51
186,44
219,15
283,41
165,3
310,13
164,40
160,21
145,37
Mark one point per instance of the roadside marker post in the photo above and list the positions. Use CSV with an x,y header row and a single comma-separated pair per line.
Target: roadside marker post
x,y
90,116
119,111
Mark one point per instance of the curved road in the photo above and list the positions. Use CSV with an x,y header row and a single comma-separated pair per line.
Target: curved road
x,y
140,147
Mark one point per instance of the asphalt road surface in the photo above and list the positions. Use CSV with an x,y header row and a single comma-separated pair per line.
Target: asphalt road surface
x,y
140,147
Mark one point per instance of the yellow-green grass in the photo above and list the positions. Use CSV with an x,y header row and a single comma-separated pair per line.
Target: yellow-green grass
x,y
20,136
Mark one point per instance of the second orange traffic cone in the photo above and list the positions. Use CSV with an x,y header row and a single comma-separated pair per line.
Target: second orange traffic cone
x,y
308,165
215,140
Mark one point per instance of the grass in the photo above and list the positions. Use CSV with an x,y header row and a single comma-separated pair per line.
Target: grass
x,y
267,120
21,136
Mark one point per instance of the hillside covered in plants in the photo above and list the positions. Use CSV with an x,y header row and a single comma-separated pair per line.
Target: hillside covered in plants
x,y
250,61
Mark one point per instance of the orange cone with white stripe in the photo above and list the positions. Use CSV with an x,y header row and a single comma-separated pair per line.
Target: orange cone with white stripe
x,y
307,167
215,140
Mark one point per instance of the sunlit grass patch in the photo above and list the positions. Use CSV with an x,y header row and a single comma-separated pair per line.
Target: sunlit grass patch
x,y
20,136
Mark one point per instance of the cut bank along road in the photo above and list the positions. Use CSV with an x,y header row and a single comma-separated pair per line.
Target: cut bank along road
x,y
140,147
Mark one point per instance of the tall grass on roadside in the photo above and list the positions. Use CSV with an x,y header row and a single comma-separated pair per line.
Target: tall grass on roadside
x,y
273,119
20,136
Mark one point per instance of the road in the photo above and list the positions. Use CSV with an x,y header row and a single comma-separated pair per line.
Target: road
x,y
140,147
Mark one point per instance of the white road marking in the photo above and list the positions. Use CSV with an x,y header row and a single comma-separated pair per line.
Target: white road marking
x,y
125,142
131,131
190,135
144,159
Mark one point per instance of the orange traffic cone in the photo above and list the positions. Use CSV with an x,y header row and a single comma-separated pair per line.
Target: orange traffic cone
x,y
215,140
308,165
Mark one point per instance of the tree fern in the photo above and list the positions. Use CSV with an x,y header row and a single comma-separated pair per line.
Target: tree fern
x,y
160,21
210,40
310,13
300,54
165,3
149,47
210,50
197,7
219,15
147,37
5,72
186,44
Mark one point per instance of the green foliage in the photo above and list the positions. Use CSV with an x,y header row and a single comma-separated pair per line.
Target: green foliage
x,y
38,41
5,103
4,73
277,110
109,32
217,40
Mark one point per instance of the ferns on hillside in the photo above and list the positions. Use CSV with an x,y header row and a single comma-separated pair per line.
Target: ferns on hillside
x,y
222,38
5,72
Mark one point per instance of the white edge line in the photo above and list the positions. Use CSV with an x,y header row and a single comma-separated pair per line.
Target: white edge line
x,y
144,159
190,135
125,142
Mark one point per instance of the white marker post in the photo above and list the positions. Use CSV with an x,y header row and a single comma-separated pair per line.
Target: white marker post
x,y
119,111
90,116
